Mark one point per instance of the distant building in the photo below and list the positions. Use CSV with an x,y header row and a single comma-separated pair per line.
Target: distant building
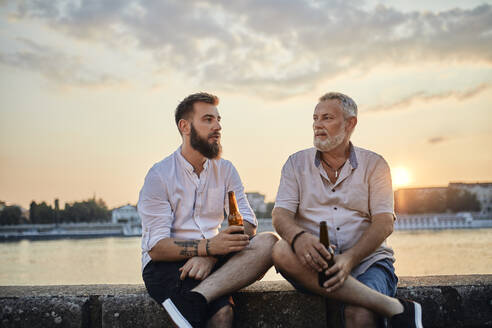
x,y
257,202
125,214
420,200
24,213
433,199
483,191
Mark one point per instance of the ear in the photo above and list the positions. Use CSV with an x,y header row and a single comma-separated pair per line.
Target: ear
x,y
184,127
351,123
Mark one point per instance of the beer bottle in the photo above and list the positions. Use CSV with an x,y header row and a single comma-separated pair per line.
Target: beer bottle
x,y
325,240
234,217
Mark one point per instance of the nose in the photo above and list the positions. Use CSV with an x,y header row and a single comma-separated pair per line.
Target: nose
x,y
316,124
217,126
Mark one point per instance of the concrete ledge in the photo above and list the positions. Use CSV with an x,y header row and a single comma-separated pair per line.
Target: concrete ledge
x,y
448,301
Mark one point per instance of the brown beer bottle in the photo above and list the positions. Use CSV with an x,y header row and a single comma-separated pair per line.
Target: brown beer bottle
x,y
325,240
235,217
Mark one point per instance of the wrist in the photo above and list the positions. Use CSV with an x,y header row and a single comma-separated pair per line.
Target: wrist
x,y
203,248
208,248
294,239
352,259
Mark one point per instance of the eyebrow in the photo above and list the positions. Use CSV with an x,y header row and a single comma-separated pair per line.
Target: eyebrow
x,y
323,115
211,116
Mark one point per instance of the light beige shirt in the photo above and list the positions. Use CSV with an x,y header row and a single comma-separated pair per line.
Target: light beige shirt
x,y
362,190
175,202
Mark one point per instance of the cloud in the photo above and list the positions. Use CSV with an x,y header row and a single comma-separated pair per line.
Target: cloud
x,y
56,66
423,96
269,46
436,140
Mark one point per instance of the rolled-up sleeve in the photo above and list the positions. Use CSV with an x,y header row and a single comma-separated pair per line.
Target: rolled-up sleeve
x,y
380,189
235,184
288,189
154,210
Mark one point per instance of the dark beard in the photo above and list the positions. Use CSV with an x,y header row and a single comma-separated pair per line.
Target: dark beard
x,y
208,150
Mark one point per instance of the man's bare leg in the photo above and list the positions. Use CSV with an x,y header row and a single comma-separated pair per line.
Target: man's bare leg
x,y
222,318
241,269
356,316
352,292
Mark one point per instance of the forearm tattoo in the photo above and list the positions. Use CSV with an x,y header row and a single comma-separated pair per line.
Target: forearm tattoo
x,y
188,247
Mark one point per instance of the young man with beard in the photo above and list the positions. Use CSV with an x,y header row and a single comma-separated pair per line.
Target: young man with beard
x,y
188,265
349,188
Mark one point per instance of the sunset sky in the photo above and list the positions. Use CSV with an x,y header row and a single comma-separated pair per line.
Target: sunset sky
x,y
88,88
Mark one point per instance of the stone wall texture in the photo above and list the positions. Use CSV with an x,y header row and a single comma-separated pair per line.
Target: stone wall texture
x,y
447,301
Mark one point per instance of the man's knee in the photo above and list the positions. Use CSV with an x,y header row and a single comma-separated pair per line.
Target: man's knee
x,y
282,255
356,316
222,318
265,240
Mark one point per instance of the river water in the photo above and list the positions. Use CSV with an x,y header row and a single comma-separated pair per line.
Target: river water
x,y
116,260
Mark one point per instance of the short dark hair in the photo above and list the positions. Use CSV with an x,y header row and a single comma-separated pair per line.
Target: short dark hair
x,y
185,107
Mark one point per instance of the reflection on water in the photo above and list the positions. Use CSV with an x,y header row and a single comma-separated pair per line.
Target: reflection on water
x,y
117,260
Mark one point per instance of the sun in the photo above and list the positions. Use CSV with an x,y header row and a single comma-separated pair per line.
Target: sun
x,y
401,177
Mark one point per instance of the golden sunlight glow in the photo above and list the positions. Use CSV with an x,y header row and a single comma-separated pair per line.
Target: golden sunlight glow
x,y
400,176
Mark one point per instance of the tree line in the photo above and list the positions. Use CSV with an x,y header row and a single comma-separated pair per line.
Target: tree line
x,y
90,210
407,201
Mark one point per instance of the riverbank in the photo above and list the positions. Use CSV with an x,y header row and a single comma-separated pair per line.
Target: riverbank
x,y
96,230
68,230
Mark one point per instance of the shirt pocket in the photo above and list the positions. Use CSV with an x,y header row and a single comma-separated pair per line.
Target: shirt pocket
x,y
357,198
214,202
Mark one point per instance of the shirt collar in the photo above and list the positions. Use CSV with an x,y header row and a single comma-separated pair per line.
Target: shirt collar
x,y
352,157
188,167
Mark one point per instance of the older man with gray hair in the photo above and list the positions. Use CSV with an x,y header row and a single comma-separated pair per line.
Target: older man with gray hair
x,y
349,188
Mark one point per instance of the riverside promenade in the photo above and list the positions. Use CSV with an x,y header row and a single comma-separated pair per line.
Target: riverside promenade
x,y
447,301
440,221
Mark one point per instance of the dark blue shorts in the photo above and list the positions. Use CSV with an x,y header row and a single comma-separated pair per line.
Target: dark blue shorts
x,y
162,281
381,277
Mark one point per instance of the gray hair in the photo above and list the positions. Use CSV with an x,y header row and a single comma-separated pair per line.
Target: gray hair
x,y
349,107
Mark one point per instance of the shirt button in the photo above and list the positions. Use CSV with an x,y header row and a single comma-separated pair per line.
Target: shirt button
x,y
333,190
338,228
335,208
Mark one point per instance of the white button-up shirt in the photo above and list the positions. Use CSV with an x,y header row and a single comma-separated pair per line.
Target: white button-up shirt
x,y
174,202
362,190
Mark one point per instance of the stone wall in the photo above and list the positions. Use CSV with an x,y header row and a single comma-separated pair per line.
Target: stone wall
x,y
448,301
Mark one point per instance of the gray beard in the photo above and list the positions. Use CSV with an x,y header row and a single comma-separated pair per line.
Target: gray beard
x,y
330,142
